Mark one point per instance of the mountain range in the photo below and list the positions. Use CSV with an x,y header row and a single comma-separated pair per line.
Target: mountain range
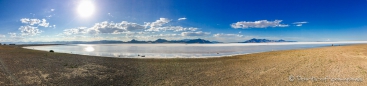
x,y
254,40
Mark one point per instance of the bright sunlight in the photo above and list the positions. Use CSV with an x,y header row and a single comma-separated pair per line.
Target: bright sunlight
x,y
85,8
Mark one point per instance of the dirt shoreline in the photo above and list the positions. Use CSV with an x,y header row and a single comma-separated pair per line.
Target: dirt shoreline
x,y
305,66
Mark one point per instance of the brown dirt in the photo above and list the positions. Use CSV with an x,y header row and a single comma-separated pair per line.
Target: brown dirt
x,y
20,66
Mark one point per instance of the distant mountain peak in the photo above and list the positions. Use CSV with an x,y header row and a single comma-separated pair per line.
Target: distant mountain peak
x,y
254,40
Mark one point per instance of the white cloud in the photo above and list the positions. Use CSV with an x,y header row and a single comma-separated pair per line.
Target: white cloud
x,y
158,23
105,27
43,23
258,24
116,28
2,36
283,25
134,33
14,38
30,21
181,19
179,29
156,29
29,30
13,34
227,35
157,26
52,10
153,37
198,33
166,35
222,37
79,30
35,22
24,20
172,28
299,23
148,31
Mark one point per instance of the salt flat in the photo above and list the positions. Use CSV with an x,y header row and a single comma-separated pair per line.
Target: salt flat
x,y
181,50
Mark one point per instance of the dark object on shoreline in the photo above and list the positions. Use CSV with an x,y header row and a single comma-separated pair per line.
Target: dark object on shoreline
x,y
11,44
4,44
51,51
138,55
332,44
142,55
217,53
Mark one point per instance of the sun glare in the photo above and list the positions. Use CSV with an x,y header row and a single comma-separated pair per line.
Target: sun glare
x,y
85,8
89,49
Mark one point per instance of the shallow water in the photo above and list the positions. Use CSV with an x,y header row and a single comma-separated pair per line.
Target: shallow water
x,y
179,50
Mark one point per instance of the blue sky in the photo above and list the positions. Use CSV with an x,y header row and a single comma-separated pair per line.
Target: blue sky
x,y
216,20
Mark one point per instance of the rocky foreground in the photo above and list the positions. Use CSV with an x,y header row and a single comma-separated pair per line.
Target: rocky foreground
x,y
337,65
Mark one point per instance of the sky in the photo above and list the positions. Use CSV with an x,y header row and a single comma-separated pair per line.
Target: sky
x,y
214,20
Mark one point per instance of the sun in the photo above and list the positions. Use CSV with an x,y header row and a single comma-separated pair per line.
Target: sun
x,y
85,8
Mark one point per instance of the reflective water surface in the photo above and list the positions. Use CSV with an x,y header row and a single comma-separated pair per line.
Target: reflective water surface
x,y
179,50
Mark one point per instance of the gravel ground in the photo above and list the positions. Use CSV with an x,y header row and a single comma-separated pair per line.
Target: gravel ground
x,y
337,65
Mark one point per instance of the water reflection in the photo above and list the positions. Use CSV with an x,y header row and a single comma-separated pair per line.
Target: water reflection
x,y
174,50
89,49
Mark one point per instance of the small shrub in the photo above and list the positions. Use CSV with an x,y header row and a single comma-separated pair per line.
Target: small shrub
x,y
51,51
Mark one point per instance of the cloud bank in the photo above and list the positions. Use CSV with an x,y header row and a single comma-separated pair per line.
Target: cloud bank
x,y
125,27
2,36
198,33
258,24
115,28
73,31
29,30
32,22
227,35
13,34
172,28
